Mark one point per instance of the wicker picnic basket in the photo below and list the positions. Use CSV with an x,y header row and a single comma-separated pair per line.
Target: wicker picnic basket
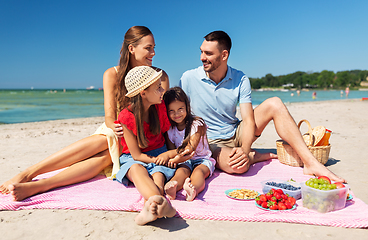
x,y
288,156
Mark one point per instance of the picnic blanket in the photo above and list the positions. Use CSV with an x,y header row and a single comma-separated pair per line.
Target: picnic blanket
x,y
101,193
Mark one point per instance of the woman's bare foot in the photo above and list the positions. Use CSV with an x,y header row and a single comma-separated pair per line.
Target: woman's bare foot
x,y
164,208
19,178
317,169
190,189
22,191
170,189
148,213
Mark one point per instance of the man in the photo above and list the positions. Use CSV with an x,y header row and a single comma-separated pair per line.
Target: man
x,y
215,89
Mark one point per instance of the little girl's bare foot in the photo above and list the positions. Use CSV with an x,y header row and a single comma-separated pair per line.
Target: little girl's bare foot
x,y
164,208
170,189
190,189
19,178
148,213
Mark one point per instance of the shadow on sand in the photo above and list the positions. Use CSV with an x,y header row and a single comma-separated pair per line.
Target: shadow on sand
x,y
266,150
331,161
171,224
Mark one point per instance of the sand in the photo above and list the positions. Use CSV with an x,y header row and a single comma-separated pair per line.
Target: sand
x,y
27,143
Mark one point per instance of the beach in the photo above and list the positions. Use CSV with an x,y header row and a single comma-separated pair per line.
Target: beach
x,y
25,144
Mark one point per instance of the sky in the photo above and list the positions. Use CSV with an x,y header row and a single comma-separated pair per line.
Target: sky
x,y
69,44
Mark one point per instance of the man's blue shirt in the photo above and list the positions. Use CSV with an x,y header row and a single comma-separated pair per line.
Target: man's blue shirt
x,y
217,103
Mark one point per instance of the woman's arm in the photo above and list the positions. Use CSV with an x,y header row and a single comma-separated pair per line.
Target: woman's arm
x,y
135,151
110,105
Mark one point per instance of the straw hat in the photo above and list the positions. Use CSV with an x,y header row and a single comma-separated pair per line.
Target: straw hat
x,y
140,78
318,132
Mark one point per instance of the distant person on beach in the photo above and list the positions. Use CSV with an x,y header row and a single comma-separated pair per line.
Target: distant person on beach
x,y
187,132
298,92
347,90
89,156
314,95
215,89
144,120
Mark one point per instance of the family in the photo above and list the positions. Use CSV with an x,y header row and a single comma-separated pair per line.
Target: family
x,y
164,140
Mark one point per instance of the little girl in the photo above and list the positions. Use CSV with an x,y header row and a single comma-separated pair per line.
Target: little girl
x,y
187,132
144,120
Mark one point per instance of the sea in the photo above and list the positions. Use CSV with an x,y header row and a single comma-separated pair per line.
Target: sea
x,y
34,105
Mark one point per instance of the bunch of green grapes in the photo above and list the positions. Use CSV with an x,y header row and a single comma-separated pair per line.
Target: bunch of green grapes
x,y
321,184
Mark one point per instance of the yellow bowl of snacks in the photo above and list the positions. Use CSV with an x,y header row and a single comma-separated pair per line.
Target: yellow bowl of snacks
x,y
241,194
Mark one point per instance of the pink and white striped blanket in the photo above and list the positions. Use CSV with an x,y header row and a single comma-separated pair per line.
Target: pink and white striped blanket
x,y
100,193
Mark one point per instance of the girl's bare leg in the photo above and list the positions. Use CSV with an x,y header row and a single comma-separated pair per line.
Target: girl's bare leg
x,y
156,206
76,152
164,208
159,179
274,109
142,181
196,183
78,172
176,182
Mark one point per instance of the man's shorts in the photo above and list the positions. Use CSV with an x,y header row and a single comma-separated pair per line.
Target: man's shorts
x,y
235,141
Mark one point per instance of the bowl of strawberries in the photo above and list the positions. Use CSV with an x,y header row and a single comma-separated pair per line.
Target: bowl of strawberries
x,y
275,200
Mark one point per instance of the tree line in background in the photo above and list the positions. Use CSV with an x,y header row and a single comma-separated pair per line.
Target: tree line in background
x,y
325,79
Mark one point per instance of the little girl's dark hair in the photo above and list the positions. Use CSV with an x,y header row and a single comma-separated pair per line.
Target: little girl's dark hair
x,y
177,94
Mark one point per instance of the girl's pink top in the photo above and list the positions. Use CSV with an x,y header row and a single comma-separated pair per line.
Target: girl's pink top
x,y
177,137
127,118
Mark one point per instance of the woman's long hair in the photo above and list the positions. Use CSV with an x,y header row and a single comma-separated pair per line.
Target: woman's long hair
x,y
132,37
177,94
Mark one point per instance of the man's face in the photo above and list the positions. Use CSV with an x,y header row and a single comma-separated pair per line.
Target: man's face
x,y
210,56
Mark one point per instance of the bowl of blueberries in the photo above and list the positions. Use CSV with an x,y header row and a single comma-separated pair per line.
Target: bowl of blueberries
x,y
293,189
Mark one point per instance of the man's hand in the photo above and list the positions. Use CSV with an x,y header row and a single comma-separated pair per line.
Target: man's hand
x,y
238,158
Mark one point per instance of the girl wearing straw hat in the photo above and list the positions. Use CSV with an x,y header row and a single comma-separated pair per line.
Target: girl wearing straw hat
x,y
144,120
89,156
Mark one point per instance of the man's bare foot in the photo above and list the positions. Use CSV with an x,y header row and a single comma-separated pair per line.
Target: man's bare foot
x,y
170,189
164,208
317,169
19,178
148,213
190,189
255,156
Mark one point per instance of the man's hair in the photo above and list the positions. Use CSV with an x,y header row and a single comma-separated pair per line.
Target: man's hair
x,y
221,37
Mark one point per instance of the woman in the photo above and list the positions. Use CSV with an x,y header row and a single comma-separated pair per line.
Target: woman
x,y
89,156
